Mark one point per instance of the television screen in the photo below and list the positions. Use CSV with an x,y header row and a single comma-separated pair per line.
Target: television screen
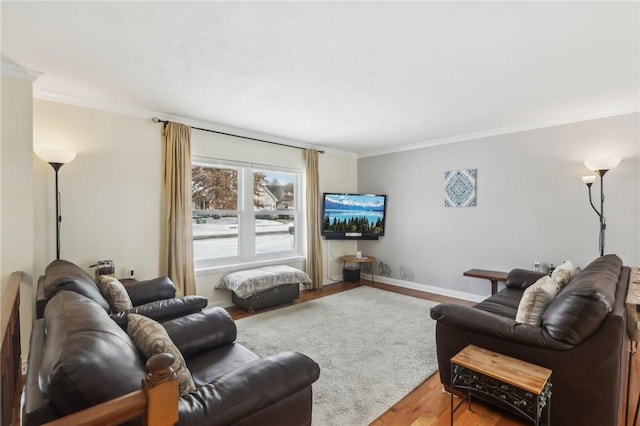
x,y
353,216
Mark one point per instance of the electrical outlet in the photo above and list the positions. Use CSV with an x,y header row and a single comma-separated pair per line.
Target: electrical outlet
x,y
130,273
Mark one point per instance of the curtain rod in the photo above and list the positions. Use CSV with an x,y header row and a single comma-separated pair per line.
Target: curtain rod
x,y
165,122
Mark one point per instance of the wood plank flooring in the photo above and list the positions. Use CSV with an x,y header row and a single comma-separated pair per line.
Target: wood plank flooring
x,y
428,404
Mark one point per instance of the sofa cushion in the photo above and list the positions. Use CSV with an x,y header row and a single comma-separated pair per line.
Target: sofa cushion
x,y
522,278
151,338
535,300
201,332
88,359
215,363
504,303
147,291
577,312
64,275
114,293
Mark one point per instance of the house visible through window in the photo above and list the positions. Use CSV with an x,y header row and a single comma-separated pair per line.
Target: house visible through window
x,y
243,213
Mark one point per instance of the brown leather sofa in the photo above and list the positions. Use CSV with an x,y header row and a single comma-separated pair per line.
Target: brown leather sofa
x,y
155,298
80,357
582,338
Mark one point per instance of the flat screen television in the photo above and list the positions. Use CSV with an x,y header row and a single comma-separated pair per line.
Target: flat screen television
x,y
353,216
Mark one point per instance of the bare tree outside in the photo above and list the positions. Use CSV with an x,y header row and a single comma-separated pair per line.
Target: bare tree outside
x,y
214,188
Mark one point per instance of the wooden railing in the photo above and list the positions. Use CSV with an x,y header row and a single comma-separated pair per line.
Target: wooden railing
x,y
11,387
156,402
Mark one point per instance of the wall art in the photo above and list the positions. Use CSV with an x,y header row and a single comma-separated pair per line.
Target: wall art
x,y
460,188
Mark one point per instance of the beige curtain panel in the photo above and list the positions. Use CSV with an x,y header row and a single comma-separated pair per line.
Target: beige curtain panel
x,y
177,244
314,241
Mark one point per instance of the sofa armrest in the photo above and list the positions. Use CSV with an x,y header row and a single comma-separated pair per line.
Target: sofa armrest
x,y
201,332
41,299
164,310
248,389
37,408
142,292
522,278
491,325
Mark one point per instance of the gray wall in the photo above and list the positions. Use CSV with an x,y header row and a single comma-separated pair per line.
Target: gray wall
x,y
531,204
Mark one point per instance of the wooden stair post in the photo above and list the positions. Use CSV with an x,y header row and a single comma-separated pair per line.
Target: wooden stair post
x,y
161,387
10,353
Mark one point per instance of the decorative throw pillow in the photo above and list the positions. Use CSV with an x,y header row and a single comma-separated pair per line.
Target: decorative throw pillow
x,y
152,338
535,300
114,293
564,273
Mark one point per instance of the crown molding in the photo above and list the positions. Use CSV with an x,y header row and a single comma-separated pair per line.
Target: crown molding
x,y
142,113
49,95
13,70
499,131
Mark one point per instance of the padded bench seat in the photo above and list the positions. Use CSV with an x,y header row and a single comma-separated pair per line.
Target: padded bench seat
x,y
264,287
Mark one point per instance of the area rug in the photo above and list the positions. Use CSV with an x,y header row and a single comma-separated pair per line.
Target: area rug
x,y
373,347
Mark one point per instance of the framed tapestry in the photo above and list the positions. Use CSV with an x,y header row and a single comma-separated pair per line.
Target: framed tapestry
x,y
460,188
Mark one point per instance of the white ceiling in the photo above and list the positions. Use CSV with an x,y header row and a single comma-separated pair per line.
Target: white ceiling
x,y
360,77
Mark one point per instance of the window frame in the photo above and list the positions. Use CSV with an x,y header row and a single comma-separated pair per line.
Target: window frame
x,y
246,214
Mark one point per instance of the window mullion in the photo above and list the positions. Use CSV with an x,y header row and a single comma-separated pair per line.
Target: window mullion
x,y
248,216
300,205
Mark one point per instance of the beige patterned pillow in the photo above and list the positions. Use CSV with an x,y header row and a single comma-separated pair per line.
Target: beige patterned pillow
x,y
535,300
151,338
114,293
564,273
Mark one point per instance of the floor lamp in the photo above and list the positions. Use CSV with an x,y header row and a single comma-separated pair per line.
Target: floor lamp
x,y
601,166
57,158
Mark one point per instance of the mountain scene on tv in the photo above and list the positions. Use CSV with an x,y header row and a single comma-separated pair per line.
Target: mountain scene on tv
x,y
359,213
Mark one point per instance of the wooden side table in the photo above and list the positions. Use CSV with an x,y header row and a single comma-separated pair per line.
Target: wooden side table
x,y
493,276
519,386
358,261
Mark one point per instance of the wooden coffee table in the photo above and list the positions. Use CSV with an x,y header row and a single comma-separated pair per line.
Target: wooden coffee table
x,y
519,386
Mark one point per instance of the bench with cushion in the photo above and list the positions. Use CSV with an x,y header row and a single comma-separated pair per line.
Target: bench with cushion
x,y
264,287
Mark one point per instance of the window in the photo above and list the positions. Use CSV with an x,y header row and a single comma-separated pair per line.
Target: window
x,y
243,213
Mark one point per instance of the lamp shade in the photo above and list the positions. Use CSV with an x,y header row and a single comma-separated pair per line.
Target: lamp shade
x,y
602,163
588,179
59,156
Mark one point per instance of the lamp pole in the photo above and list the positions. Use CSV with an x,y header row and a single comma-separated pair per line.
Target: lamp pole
x,y
603,223
56,167
56,159
601,167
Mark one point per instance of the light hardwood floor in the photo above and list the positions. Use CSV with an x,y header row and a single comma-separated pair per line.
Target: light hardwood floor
x,y
428,405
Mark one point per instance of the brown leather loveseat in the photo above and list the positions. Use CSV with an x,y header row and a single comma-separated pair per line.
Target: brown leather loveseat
x,y
154,298
80,357
582,338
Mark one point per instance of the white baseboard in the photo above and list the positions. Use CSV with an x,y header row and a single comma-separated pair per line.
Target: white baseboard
x,y
332,280
431,289
415,286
